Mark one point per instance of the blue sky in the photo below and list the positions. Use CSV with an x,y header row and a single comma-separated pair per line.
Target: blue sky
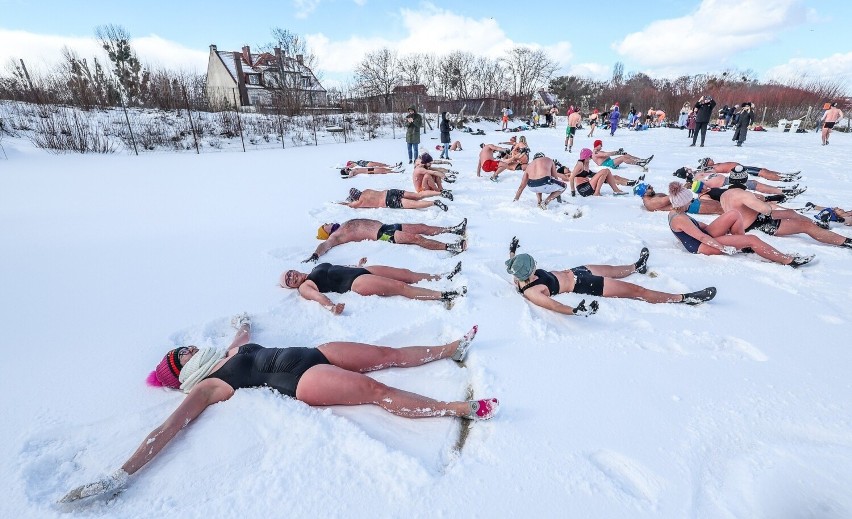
x,y
774,38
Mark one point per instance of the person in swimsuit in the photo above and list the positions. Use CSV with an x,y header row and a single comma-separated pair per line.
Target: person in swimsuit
x,y
330,374
426,177
831,117
593,122
366,167
653,201
374,280
772,220
516,160
571,130
540,177
613,159
830,214
713,180
360,229
395,199
708,165
489,154
539,285
589,183
724,235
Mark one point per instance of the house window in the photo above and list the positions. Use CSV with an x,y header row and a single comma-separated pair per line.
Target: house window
x,y
306,82
253,79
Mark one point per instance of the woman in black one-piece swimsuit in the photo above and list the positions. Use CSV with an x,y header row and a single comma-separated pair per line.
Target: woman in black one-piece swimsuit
x,y
330,374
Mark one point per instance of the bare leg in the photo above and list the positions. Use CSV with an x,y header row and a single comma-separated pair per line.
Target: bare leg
x,y
611,181
765,188
760,247
796,226
373,285
330,385
404,275
612,271
360,357
618,288
421,228
421,195
729,222
619,180
416,204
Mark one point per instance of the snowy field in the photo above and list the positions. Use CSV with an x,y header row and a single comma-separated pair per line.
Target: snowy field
x,y
739,408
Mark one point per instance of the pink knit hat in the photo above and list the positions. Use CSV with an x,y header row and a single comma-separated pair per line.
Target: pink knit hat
x,y
679,196
585,153
167,371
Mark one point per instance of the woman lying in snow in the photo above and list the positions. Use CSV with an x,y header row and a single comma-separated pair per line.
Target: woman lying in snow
x,y
373,280
539,285
330,374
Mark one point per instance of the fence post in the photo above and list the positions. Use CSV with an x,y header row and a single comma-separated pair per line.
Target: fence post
x,y
314,124
191,124
239,123
393,111
763,120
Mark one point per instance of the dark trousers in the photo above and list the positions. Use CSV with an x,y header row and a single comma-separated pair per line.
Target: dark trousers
x,y
699,127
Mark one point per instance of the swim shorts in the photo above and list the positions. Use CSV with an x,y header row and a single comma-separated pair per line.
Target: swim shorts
x,y
386,231
587,283
393,198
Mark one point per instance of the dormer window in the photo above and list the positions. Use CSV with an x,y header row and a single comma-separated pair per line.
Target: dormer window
x,y
253,79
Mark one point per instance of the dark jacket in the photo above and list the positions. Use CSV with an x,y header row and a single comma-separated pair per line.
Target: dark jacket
x,y
446,127
412,129
746,118
705,111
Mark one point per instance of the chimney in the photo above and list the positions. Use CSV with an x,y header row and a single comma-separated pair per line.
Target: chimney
x,y
212,48
278,54
247,55
300,59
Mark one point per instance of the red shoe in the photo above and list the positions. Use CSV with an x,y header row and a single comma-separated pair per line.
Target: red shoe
x,y
483,409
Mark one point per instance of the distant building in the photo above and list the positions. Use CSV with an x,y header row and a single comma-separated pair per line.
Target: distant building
x,y
256,79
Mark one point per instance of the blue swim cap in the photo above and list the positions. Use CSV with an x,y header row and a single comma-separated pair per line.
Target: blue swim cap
x,y
640,188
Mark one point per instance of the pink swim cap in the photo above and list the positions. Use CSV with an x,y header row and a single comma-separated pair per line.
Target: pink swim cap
x,y
585,153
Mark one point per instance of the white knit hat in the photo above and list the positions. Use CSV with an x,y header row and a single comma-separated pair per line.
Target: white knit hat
x,y
679,196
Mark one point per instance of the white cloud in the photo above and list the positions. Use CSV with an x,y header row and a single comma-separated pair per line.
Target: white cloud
x,y
305,7
717,30
43,51
837,67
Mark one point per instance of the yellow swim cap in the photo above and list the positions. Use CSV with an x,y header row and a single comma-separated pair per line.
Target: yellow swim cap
x,y
322,234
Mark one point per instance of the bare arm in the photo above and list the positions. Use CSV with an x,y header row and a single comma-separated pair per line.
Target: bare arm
x,y
538,297
324,247
205,394
695,231
309,291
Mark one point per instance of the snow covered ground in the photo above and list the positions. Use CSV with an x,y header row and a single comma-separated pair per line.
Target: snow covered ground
x,y
736,408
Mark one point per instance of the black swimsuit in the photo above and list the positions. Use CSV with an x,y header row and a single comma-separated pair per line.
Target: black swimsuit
x,y
335,278
278,368
544,278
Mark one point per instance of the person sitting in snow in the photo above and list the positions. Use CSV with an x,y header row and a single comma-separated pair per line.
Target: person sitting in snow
x,y
330,374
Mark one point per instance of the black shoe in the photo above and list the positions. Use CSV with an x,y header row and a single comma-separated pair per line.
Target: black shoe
x,y
446,193
457,248
440,204
632,183
809,205
452,294
798,261
453,272
559,199
642,264
410,161
691,145
702,296
702,145
459,229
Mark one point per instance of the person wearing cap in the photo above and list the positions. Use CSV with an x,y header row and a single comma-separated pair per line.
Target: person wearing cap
x,y
713,180
426,177
828,214
831,117
772,220
593,122
362,229
539,286
588,183
613,159
541,177
653,201
708,164
705,107
395,199
413,123
375,280
745,120
724,235
516,160
353,169
330,374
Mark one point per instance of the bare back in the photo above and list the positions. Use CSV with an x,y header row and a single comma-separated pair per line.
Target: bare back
x,y
658,202
742,201
540,168
370,198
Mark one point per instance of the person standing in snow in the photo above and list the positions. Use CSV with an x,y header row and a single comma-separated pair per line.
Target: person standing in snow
x,y
330,374
705,107
614,117
413,123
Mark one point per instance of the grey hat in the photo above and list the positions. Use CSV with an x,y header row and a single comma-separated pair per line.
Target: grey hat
x,y
738,174
521,266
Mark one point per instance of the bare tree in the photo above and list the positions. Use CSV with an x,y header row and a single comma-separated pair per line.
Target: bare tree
x,y
527,70
378,73
292,45
412,69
